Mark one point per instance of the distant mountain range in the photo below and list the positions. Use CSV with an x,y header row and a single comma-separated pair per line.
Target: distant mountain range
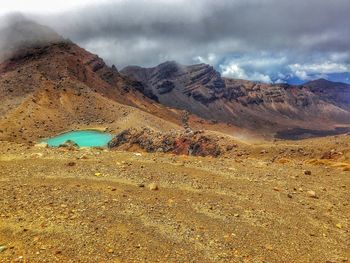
x,y
343,77
201,90
49,85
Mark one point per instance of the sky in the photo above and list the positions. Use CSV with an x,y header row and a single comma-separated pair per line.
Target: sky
x,y
261,40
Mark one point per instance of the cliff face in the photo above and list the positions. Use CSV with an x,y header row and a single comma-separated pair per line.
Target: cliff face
x,y
201,90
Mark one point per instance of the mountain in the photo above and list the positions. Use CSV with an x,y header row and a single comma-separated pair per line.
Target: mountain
x,y
268,108
192,88
49,85
334,92
55,86
343,77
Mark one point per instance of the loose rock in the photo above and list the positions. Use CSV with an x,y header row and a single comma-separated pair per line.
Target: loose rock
x,y
339,226
307,172
3,248
153,186
312,194
71,164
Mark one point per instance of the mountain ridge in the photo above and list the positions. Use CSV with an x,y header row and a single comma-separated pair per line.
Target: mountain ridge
x,y
201,90
78,89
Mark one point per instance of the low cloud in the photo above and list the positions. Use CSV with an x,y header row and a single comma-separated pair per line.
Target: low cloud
x,y
257,39
267,68
325,67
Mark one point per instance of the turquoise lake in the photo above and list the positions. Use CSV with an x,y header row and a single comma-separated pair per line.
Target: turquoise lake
x,y
87,138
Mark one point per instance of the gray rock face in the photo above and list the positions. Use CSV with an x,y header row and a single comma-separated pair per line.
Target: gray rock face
x,y
200,82
165,87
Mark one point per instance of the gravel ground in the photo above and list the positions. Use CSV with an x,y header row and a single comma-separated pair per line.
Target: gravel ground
x,y
93,205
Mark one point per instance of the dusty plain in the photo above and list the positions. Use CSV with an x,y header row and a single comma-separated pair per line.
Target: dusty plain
x,y
286,201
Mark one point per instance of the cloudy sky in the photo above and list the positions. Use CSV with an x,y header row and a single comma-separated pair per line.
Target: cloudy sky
x,y
261,40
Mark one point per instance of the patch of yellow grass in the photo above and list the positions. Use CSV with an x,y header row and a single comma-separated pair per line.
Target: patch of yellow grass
x,y
283,161
319,162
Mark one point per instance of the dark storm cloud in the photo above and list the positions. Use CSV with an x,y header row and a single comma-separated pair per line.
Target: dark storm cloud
x,y
147,32
16,32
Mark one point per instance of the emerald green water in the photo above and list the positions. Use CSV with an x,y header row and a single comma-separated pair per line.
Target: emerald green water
x,y
82,138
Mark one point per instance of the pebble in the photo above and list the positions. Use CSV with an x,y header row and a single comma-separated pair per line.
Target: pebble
x,y
339,226
290,195
269,247
307,172
84,156
3,248
311,194
153,186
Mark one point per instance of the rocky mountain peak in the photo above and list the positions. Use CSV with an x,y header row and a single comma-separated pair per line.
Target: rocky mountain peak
x,y
200,82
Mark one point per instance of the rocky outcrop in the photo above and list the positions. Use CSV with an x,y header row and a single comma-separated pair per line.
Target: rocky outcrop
x,y
190,143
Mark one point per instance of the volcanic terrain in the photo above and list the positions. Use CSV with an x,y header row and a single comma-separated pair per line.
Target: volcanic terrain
x,y
199,169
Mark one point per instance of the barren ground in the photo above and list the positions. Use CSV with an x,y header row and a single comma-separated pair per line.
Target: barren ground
x,y
93,205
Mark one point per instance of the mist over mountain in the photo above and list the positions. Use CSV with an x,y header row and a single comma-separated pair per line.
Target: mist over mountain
x,y
18,32
270,41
